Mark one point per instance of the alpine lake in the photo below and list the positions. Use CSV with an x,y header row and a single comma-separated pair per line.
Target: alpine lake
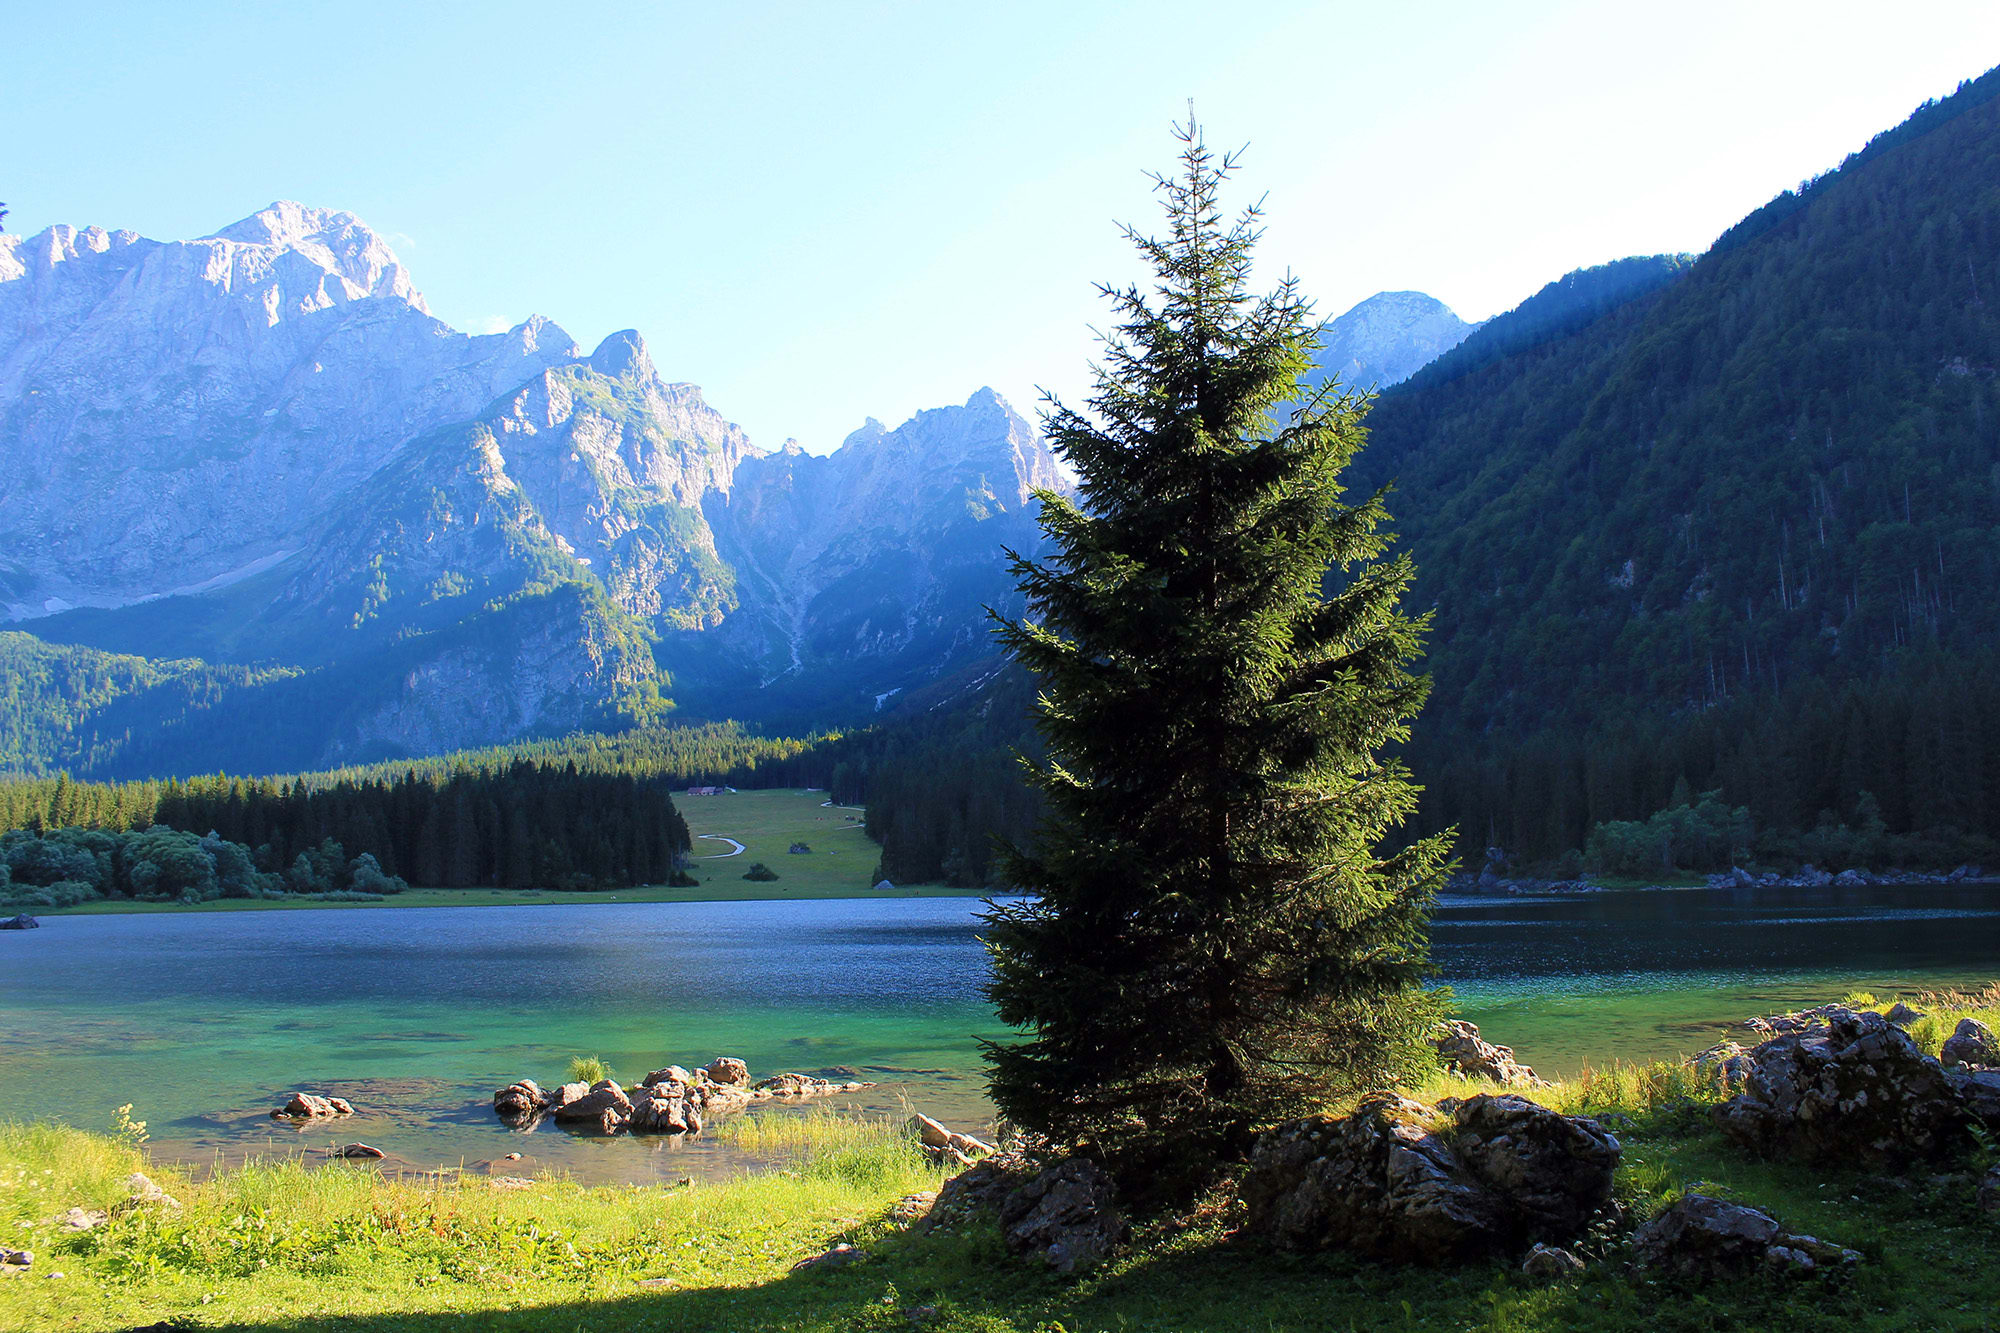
x,y
206,1021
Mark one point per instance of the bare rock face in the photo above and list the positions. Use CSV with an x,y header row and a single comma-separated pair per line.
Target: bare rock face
x,y
1460,1046
1971,1043
312,1106
1064,1213
1861,1091
1701,1238
604,1099
1402,1181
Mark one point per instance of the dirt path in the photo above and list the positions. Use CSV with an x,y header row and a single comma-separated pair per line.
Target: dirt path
x,y
736,848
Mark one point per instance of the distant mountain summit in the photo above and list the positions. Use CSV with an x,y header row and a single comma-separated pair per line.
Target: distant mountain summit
x,y
260,447
1386,339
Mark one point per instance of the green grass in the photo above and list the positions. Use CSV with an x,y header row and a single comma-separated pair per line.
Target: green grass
x,y
767,823
284,1246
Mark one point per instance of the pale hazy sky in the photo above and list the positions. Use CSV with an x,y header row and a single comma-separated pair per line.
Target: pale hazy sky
x,y
826,211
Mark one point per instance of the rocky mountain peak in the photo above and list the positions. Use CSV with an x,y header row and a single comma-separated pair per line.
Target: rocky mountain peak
x,y
1388,338
337,242
623,356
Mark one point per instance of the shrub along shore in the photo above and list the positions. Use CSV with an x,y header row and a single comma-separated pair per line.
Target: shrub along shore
x,y
293,1244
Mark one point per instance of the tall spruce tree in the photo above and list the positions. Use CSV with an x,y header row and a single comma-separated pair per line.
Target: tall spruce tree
x,y
1218,936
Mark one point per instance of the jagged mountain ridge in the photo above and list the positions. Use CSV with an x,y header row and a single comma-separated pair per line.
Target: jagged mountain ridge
x,y
502,537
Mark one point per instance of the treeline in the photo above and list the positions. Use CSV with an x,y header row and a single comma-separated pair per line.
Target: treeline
x,y
1897,767
523,825
68,866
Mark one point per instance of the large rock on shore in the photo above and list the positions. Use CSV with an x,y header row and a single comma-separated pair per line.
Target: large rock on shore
x,y
1460,1046
1064,1213
1971,1043
1701,1238
1403,1181
1858,1092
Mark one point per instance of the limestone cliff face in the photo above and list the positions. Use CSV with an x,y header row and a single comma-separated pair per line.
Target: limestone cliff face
x,y
877,561
260,447
174,415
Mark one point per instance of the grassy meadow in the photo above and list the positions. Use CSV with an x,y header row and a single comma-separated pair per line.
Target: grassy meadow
x,y
841,864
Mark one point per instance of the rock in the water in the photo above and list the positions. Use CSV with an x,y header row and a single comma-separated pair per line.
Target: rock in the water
x,y
1902,1015
362,1151
728,1070
1459,1045
1546,1263
1064,1213
1400,1180
21,922
661,1109
839,1256
671,1074
1859,1092
312,1106
517,1101
1971,1043
1700,1237
605,1104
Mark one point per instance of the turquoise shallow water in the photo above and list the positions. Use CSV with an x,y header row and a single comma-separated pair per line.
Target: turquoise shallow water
x,y
206,1021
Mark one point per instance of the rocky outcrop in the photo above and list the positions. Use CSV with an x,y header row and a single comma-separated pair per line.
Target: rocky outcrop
x,y
1729,1061
1402,1181
312,1106
1858,1092
1064,1213
1701,1238
1462,1050
1971,1043
667,1101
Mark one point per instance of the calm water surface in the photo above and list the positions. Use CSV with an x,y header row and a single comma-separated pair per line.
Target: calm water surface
x,y
206,1021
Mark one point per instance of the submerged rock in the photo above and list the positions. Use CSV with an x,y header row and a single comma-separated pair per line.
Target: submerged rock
x,y
1703,1238
312,1106
1403,1181
1460,1046
517,1101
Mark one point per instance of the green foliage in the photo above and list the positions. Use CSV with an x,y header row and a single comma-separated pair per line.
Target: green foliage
x,y
760,872
1216,940
588,1069
1704,835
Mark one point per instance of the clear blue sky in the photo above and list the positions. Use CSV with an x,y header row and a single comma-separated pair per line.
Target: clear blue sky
x,y
826,211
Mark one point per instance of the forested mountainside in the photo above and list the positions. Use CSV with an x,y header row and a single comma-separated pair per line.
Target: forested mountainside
x,y
1728,524
1777,475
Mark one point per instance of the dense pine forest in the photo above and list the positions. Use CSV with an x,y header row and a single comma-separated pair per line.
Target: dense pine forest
x,y
514,825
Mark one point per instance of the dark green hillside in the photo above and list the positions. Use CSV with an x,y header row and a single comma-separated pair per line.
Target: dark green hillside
x,y
1780,473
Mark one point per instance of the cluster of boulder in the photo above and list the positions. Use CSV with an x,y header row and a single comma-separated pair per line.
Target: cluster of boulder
x,y
1855,1087
1812,877
21,922
667,1101
1403,1181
